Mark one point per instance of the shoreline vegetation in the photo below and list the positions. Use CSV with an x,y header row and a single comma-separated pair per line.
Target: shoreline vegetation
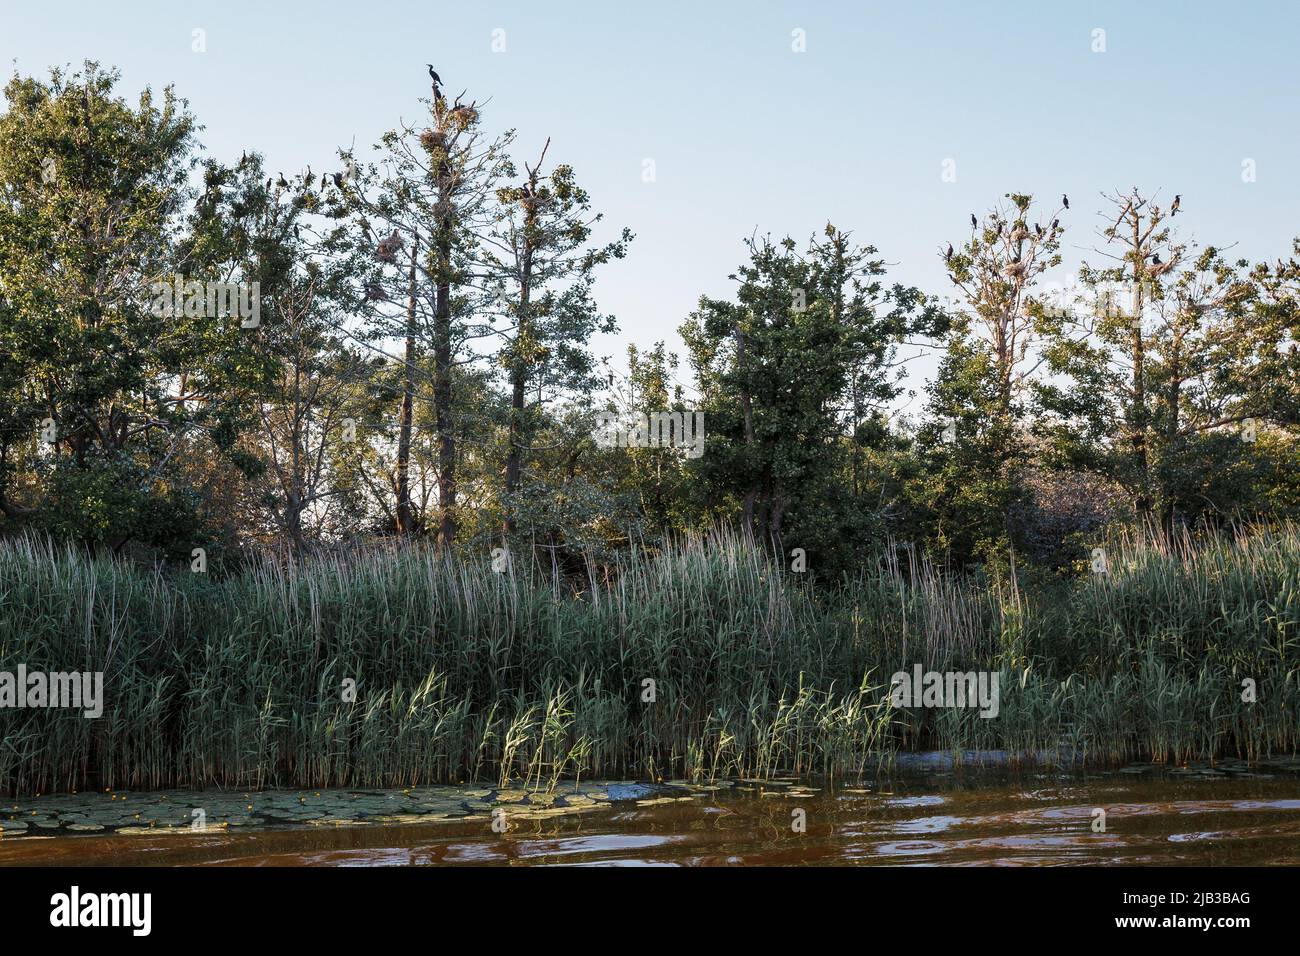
x,y
435,537
706,660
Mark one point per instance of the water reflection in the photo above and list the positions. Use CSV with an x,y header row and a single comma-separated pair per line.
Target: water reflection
x,y
1153,817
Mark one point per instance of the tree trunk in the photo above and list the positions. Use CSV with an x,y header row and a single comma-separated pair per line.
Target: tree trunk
x,y
1137,417
518,379
519,366
747,409
445,422
405,514
1167,511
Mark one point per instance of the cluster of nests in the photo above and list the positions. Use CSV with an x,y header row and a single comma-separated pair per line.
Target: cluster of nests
x,y
1019,234
459,116
1015,269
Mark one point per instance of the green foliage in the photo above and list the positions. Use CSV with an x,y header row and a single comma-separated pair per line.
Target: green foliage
x,y
972,459
95,190
1169,367
104,501
800,357
424,364
310,454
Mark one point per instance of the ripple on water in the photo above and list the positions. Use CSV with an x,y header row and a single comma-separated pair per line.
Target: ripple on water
x,y
908,848
929,824
1030,819
929,800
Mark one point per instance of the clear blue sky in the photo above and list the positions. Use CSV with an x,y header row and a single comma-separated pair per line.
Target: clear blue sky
x,y
745,133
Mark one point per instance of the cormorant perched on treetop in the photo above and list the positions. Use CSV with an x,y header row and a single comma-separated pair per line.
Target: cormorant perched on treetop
x,y
974,223
282,182
948,254
1173,210
1065,200
338,180
433,75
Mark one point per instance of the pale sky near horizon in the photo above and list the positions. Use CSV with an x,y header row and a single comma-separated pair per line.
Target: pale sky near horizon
x,y
745,133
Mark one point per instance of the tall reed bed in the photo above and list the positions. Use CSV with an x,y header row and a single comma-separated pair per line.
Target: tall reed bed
x,y
398,668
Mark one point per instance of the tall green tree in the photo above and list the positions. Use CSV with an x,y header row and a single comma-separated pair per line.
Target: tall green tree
x,y
539,265
106,388
420,210
1167,370
785,372
973,444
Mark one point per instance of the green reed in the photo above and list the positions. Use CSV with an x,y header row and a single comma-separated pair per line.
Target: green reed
x,y
398,667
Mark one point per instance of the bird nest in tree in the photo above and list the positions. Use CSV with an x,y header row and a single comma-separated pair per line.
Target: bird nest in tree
x,y
387,249
463,115
431,140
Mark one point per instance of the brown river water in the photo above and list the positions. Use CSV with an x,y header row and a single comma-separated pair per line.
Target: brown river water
x,y
1225,814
